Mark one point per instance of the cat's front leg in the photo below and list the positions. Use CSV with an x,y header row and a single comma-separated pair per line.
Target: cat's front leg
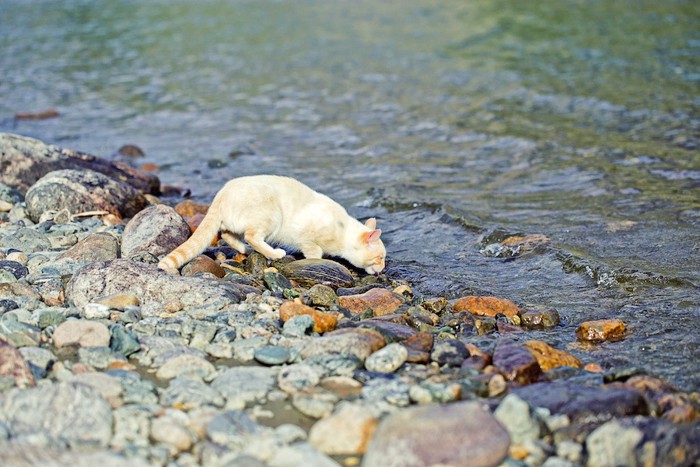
x,y
311,251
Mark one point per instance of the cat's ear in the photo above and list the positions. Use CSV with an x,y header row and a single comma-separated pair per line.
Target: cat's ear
x,y
371,223
372,236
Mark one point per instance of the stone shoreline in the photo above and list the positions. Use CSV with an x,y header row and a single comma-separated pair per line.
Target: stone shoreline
x,y
239,361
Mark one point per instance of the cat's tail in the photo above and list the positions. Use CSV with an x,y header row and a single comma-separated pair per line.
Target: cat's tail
x,y
197,243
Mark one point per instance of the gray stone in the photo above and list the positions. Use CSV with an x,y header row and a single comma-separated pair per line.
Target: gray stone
x,y
298,326
315,404
192,366
231,429
69,413
170,429
13,364
156,230
26,160
46,317
149,284
21,295
461,433
242,385
387,359
82,191
393,391
27,240
301,454
613,444
322,295
297,377
19,334
449,352
107,386
272,354
516,416
187,393
132,424
98,357
19,453
136,389
122,341
39,360
18,270
334,364
100,246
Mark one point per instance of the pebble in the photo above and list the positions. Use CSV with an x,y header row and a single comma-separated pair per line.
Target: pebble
x,y
243,385
347,431
461,433
323,321
298,377
298,326
548,357
186,365
360,343
387,359
14,365
378,301
81,333
156,230
516,416
272,355
186,393
515,362
449,352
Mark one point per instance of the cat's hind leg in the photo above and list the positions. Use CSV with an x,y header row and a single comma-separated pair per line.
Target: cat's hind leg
x,y
257,241
234,241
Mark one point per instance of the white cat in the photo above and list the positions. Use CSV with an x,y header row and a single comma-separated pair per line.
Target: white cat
x,y
265,209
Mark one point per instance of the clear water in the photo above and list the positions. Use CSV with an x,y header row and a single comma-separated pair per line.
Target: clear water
x,y
450,121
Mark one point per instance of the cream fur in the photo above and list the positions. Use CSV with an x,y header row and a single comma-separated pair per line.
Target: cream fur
x,y
266,209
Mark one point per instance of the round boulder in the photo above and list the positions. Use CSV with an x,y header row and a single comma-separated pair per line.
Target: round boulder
x,y
157,230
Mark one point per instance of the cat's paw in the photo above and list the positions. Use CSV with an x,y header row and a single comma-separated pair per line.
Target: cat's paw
x,y
278,253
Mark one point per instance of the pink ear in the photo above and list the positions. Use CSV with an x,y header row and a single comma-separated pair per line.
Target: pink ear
x,y
371,223
372,236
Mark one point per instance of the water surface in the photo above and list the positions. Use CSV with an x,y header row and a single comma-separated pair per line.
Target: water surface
x,y
455,123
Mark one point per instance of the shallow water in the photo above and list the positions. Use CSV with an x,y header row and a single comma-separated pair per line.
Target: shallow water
x,y
455,123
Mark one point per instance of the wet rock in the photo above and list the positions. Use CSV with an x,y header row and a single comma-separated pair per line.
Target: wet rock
x,y
13,365
156,230
322,295
387,359
18,270
309,272
461,433
449,352
323,321
185,393
150,285
277,283
540,318
435,305
82,191
26,160
664,399
272,355
347,431
515,362
189,208
360,343
549,357
584,402
391,331
82,333
100,246
241,385
377,300
203,263
601,330
87,423
486,306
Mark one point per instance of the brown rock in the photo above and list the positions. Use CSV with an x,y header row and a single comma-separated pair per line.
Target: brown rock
x,y
548,357
486,306
81,332
203,263
601,330
13,364
323,322
540,319
347,341
515,362
379,301
435,305
666,398
460,433
189,208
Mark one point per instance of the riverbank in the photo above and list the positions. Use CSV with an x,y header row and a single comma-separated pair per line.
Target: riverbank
x,y
245,362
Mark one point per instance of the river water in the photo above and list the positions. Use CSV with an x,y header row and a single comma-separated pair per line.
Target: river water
x,y
455,123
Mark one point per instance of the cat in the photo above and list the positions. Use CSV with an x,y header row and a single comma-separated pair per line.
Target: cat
x,y
281,210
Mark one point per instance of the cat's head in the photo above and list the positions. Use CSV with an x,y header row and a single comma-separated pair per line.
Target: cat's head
x,y
368,251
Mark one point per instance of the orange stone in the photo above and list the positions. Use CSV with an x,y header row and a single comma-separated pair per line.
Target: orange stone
x,y
548,357
189,208
593,368
379,301
601,330
323,322
194,222
486,306
149,167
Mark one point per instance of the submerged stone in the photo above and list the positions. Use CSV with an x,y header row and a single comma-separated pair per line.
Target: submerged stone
x,y
601,330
